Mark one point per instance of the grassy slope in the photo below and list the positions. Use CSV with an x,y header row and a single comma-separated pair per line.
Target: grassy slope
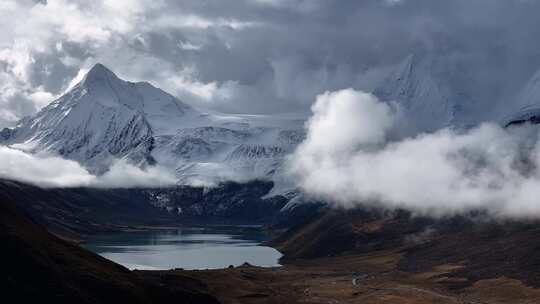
x,y
486,249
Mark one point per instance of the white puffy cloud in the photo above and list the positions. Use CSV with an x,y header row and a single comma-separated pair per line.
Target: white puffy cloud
x,y
123,175
46,171
53,171
352,156
41,98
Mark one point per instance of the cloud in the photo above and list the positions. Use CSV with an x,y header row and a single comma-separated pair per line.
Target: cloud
x,y
47,171
123,175
353,155
258,56
54,171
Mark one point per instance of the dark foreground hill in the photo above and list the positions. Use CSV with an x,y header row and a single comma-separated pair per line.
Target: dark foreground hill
x,y
37,267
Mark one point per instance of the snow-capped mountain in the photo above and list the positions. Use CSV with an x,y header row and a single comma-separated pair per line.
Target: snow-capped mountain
x,y
104,118
432,91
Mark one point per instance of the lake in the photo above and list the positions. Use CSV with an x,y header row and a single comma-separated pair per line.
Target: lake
x,y
187,248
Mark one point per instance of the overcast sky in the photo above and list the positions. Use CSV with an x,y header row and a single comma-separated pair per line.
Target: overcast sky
x,y
254,56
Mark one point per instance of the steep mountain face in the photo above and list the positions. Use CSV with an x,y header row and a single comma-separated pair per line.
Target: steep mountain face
x,y
104,118
238,148
437,91
432,91
527,104
100,118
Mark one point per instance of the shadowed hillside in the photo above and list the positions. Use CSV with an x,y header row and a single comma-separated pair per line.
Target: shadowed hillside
x,y
75,211
38,267
483,248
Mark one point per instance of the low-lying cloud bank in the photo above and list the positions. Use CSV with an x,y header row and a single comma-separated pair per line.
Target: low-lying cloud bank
x,y
54,171
354,155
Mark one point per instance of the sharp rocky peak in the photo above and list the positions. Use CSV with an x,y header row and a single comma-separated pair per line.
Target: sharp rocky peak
x,y
99,72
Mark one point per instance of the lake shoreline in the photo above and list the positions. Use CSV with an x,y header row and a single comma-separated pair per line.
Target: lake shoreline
x,y
199,247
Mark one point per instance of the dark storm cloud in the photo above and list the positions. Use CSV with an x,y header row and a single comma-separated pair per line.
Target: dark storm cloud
x,y
257,55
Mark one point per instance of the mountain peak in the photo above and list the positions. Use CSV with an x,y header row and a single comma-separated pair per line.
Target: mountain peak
x,y
423,87
99,72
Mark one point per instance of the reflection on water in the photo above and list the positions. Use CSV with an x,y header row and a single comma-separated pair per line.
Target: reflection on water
x,y
188,248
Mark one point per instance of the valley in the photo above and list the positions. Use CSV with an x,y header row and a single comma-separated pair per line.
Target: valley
x,y
270,152
392,257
